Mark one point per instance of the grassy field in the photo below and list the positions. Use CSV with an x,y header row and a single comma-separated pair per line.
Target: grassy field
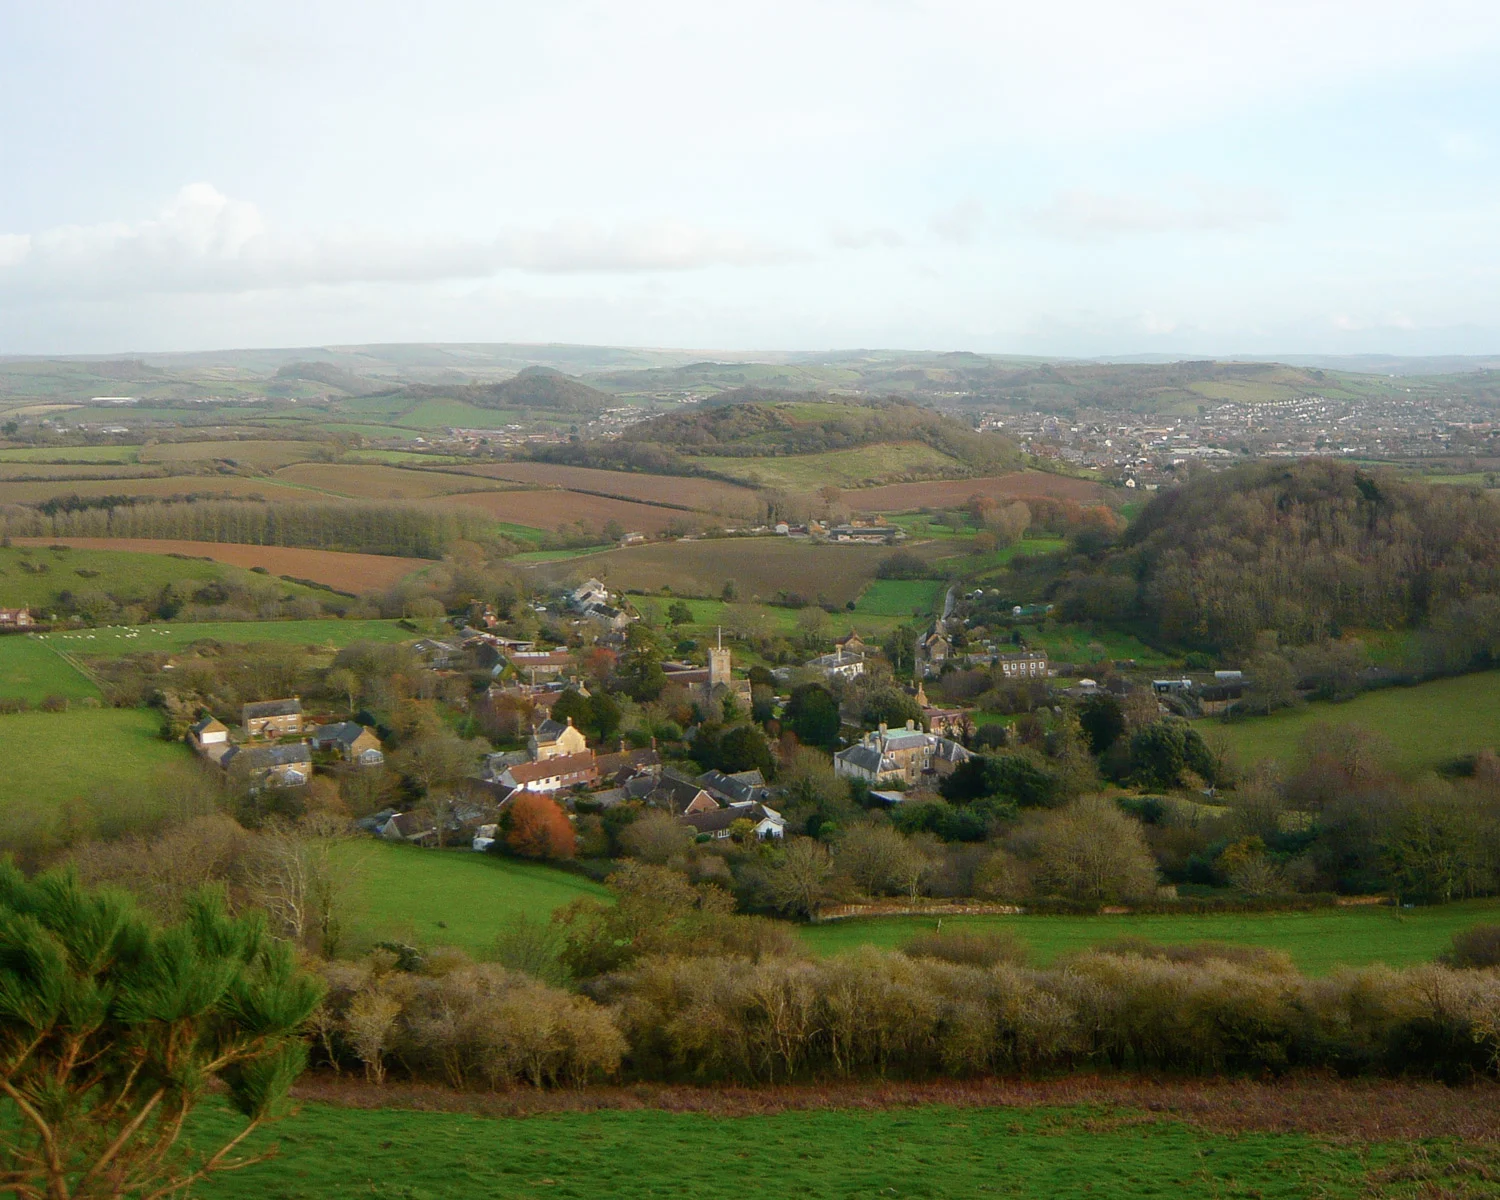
x,y
450,897
900,597
1083,644
1319,941
56,757
120,573
937,1151
71,454
1420,727
863,467
124,639
347,572
32,670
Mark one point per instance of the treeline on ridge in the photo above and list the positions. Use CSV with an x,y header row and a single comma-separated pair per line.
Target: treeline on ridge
x,y
362,528
533,388
1310,551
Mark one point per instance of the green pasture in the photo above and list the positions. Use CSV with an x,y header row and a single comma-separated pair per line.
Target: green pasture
x,y
1076,643
900,597
32,670
1318,941
33,576
982,565
131,639
81,754
936,1151
1418,728
451,897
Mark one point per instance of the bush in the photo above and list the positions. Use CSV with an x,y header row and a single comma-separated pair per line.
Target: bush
x,y
1478,947
969,949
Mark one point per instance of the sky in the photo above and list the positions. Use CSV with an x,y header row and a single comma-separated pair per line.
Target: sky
x,y
1070,178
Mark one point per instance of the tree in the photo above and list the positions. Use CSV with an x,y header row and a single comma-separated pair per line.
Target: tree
x,y
798,883
900,647
679,613
1161,752
1102,720
878,859
1015,777
640,673
891,706
1092,851
433,760
744,748
343,682
537,827
813,715
113,1028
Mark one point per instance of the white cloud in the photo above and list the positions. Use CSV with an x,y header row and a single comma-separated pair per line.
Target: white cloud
x,y
1081,214
845,238
960,223
204,241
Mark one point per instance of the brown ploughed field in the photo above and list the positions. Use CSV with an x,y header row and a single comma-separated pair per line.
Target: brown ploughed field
x,y
942,493
548,508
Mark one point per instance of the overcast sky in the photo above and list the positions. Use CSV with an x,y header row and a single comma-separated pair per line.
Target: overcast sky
x,y
1207,177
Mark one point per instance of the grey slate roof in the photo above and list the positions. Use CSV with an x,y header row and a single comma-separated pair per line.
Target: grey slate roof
x,y
272,708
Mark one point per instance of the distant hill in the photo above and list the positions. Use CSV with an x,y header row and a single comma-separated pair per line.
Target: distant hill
x,y
333,376
757,423
538,388
1311,550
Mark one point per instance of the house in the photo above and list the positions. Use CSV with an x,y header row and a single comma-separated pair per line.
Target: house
x,y
588,594
354,741
618,767
272,718
717,822
16,618
553,774
533,665
935,648
554,739
902,756
838,665
740,788
1172,687
676,794
1022,664
866,533
270,766
210,738
484,837
437,654
408,827
851,643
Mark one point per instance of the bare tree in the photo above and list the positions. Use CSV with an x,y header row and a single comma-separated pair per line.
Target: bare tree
x,y
799,882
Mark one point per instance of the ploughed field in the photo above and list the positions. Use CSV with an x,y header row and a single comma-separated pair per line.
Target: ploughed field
x,y
1016,485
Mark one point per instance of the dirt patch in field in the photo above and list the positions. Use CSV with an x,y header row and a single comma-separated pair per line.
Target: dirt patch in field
x,y
759,567
550,507
347,572
1373,1110
708,495
372,481
1018,485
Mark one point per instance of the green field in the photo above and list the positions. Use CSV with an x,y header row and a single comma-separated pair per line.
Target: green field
x,y
1084,644
450,897
935,1151
1421,727
32,670
51,758
1318,941
128,639
900,597
124,573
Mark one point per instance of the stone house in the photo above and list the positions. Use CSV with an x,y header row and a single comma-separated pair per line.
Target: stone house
x,y
272,718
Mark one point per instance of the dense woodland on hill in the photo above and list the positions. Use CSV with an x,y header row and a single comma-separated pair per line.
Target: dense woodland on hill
x,y
538,388
1309,550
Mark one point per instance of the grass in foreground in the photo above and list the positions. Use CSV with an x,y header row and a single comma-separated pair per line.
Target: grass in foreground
x,y
1319,941
1048,1153
1423,726
450,897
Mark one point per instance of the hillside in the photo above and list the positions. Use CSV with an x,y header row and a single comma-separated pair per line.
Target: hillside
x,y
1310,550
535,388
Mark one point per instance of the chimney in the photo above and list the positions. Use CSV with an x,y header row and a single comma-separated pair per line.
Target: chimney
x,y
883,729
910,725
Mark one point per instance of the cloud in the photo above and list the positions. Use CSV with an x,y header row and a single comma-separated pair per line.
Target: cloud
x,y
204,241
1082,214
845,238
960,224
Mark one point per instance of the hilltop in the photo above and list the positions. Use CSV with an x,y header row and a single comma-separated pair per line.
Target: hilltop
x,y
535,388
1311,550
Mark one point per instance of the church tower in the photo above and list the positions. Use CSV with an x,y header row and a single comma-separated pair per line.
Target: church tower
x,y
718,664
